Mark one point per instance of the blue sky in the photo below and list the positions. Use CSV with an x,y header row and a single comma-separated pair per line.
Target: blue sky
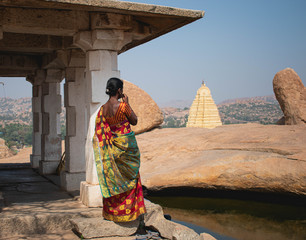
x,y
237,48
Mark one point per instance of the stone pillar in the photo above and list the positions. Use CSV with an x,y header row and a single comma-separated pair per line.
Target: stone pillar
x,y
101,47
76,128
36,81
51,148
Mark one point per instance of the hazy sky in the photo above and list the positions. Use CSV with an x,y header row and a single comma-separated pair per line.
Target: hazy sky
x,y
237,48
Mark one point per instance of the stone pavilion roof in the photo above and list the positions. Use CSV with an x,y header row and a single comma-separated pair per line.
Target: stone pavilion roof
x,y
31,28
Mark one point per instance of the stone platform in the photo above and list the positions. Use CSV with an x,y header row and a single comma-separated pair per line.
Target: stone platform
x,y
34,207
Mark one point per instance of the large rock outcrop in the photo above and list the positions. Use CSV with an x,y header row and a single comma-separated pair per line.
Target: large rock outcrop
x,y
148,113
266,158
4,150
290,92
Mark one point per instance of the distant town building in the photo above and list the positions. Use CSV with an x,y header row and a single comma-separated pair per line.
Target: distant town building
x,y
203,111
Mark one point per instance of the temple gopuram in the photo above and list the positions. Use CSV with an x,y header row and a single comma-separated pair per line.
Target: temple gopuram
x,y
203,112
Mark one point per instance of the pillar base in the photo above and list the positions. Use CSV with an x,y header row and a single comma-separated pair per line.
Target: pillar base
x,y
71,181
48,167
90,195
34,159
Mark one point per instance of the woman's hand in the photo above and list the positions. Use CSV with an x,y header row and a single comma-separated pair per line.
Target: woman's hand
x,y
125,98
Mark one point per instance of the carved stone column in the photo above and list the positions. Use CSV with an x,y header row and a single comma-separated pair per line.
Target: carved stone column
x,y
51,148
75,90
36,81
101,47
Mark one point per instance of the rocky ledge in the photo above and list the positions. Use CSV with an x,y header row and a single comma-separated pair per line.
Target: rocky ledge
x,y
252,157
154,219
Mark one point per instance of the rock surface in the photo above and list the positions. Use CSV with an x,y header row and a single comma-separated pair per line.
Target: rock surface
x,y
148,113
290,92
267,158
98,227
154,219
4,150
206,236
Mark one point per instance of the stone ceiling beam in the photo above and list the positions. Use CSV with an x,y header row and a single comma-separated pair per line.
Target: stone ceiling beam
x,y
30,43
43,21
15,73
19,62
62,59
100,20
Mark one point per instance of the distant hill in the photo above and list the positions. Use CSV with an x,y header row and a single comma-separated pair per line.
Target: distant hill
x,y
15,111
270,98
175,117
19,111
16,122
264,110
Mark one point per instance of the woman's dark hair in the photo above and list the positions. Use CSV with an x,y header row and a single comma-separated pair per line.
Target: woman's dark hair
x,y
112,86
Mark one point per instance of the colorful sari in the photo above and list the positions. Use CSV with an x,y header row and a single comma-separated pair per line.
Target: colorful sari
x,y
117,160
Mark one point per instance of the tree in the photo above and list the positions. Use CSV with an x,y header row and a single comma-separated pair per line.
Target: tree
x,y
17,134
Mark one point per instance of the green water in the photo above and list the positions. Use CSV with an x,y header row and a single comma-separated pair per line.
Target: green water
x,y
238,219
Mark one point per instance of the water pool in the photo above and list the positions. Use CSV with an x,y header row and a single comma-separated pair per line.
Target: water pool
x,y
229,219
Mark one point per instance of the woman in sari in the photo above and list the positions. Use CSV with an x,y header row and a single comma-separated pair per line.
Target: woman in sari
x,y
117,158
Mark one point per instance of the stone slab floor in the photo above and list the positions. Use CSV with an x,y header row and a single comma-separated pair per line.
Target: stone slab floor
x,y
33,207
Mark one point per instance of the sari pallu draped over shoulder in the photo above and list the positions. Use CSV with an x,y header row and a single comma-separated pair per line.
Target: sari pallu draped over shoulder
x,y
117,159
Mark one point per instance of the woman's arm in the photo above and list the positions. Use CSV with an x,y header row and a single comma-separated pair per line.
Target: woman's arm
x,y
132,117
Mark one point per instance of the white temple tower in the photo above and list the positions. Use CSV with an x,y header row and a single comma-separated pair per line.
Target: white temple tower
x,y
203,111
